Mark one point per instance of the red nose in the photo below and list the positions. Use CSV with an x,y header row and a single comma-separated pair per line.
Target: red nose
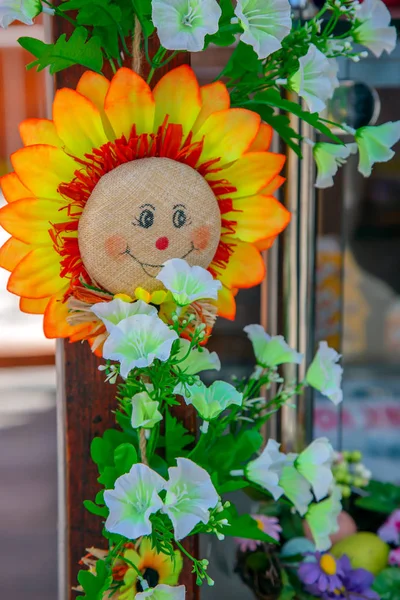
x,y
162,243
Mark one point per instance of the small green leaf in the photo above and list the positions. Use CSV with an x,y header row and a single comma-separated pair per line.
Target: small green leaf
x,y
95,586
94,12
246,527
77,50
231,486
124,457
100,511
177,438
387,584
143,11
382,497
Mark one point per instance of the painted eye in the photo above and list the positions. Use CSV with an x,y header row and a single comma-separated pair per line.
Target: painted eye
x,y
179,218
146,218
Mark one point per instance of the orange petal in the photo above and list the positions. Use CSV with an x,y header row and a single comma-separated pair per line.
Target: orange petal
x,y
273,185
246,267
95,87
55,320
29,220
33,307
214,97
12,252
37,275
226,304
42,168
129,102
266,243
251,173
263,139
228,134
13,188
177,95
259,217
78,122
39,131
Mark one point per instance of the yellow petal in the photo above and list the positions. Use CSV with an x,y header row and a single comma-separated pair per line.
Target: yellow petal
x,y
78,122
251,173
273,185
33,307
37,275
13,188
39,131
258,217
226,304
55,319
228,134
246,267
214,97
95,87
129,102
12,252
42,168
263,139
177,95
266,243
30,219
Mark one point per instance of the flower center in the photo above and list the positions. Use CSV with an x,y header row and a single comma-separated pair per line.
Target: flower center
x,y
328,564
140,215
151,576
191,15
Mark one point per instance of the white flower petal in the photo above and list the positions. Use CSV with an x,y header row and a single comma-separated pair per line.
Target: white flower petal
x,y
265,23
315,465
188,284
190,495
145,411
19,10
271,351
329,157
211,401
266,470
296,488
325,375
132,501
322,519
112,313
163,592
183,24
197,360
372,27
375,143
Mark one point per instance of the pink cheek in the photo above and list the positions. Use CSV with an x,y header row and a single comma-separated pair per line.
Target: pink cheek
x,y
115,246
201,237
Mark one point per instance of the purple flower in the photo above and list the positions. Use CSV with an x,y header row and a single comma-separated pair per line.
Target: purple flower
x,y
356,581
390,530
322,575
394,557
269,525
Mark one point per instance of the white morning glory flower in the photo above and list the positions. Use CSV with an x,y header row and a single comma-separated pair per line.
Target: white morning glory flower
x,y
20,10
372,27
211,401
265,24
316,79
322,519
266,470
190,495
325,375
137,341
183,24
145,411
163,592
271,351
112,313
328,158
296,487
375,143
188,284
132,501
315,464
197,359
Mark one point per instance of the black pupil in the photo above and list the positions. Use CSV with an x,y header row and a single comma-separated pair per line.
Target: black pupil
x,y
146,218
152,578
179,218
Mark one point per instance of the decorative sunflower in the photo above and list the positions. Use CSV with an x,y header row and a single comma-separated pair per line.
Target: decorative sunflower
x,y
123,179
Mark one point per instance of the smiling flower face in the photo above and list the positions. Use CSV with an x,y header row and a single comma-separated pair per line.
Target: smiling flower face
x,y
124,179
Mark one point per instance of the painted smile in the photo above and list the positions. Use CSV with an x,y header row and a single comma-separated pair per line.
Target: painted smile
x,y
153,270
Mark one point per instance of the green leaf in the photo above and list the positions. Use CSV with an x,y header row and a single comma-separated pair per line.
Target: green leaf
x,y
177,437
160,465
246,444
244,60
109,39
95,585
281,124
387,584
288,592
94,12
273,98
100,511
246,527
231,486
77,50
143,11
125,456
382,497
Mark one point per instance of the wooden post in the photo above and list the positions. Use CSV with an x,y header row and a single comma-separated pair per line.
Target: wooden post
x,y
85,405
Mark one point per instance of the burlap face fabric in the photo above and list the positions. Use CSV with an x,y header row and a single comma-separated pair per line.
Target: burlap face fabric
x,y
140,215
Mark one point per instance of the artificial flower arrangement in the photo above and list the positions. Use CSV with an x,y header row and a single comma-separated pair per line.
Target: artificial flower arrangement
x,y
360,560
136,215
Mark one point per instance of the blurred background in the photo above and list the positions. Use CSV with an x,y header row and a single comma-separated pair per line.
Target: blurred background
x,y
347,291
